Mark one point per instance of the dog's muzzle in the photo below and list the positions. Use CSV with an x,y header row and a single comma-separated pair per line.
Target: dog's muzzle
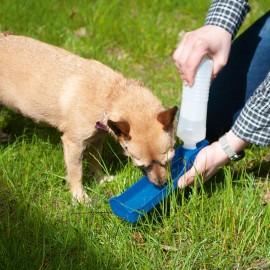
x,y
156,172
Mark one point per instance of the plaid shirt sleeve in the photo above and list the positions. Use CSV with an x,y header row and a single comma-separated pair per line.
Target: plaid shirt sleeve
x,y
253,124
228,14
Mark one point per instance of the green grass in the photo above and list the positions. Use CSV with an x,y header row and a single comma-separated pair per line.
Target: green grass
x,y
223,225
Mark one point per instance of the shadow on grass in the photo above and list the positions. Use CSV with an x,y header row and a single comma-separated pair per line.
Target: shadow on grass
x,y
34,239
19,127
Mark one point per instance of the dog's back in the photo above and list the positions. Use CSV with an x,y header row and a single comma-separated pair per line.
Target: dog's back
x,y
44,82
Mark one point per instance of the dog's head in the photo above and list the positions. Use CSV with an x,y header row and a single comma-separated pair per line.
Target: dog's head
x,y
148,142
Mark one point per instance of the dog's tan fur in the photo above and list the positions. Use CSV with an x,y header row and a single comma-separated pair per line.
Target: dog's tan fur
x,y
54,86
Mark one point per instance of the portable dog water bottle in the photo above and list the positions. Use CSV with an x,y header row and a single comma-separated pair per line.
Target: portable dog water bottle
x,y
142,196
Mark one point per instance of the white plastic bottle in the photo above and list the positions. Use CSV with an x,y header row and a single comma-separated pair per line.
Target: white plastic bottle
x,y
191,127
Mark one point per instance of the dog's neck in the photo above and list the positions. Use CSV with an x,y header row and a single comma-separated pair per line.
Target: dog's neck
x,y
102,124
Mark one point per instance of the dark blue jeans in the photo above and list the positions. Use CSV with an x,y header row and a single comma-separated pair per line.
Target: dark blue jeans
x,y
248,65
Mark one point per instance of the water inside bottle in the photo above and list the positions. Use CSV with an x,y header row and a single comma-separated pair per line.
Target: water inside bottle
x,y
191,132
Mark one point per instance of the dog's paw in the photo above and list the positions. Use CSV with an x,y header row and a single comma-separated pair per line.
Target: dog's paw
x,y
81,197
106,178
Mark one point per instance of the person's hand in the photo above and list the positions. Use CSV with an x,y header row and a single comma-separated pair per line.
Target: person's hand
x,y
210,159
206,164
210,40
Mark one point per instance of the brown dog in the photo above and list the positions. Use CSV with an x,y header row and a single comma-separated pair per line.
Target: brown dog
x,y
84,99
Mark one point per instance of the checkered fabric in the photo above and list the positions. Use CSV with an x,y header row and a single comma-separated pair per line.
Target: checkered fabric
x,y
253,124
228,14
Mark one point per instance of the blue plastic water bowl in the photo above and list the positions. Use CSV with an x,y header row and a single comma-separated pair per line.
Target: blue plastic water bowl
x,y
142,196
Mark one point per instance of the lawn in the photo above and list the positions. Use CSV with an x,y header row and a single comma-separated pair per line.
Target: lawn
x,y
223,225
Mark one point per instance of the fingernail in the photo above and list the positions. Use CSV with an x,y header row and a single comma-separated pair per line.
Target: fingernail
x,y
181,184
185,83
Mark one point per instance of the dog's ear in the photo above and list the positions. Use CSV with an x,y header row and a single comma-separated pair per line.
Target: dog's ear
x,y
120,128
166,118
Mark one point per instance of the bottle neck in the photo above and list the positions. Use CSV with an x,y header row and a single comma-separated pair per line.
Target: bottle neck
x,y
188,145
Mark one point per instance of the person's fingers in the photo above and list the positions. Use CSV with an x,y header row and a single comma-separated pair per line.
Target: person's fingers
x,y
188,56
187,179
181,55
191,67
200,167
199,50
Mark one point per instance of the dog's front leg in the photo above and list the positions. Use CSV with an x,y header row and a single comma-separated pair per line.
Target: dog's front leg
x,y
73,154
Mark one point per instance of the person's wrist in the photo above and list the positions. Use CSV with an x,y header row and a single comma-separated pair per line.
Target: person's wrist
x,y
221,158
218,29
235,142
232,146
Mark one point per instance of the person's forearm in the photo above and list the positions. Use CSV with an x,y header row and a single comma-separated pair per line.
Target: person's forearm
x,y
253,123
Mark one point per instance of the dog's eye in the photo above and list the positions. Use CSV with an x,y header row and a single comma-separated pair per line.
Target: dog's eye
x,y
146,169
136,161
169,154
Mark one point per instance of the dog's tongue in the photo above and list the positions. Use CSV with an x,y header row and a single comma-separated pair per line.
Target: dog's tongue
x,y
100,125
